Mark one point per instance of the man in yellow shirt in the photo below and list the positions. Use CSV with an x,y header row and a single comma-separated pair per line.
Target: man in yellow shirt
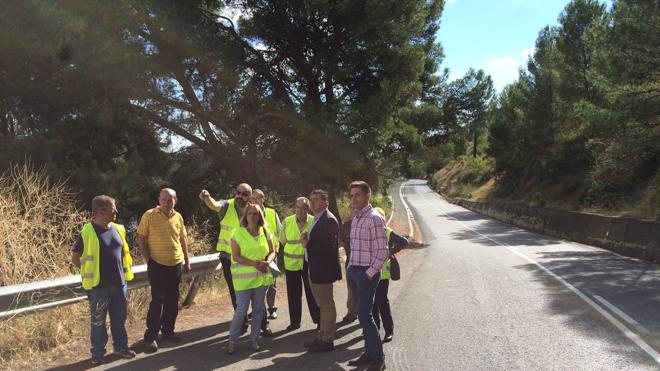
x,y
162,241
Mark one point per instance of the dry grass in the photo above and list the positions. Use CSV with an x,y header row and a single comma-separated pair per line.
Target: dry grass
x,y
38,224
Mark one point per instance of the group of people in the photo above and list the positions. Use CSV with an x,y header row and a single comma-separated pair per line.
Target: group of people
x,y
251,240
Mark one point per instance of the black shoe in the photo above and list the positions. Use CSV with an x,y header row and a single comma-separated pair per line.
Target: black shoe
x,y
266,332
171,338
292,327
322,346
363,360
150,346
318,327
311,343
388,337
272,313
97,359
376,366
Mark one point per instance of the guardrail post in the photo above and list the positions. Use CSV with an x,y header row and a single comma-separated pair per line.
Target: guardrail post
x,y
192,291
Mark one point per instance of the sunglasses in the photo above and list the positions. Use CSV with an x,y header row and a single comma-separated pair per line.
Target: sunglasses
x,y
242,193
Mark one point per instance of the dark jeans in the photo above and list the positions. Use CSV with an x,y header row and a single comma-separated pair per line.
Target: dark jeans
x,y
365,292
164,306
104,300
382,307
295,281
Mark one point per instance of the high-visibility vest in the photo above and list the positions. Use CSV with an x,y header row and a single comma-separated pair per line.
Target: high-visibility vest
x,y
90,272
294,252
227,225
385,272
245,277
271,223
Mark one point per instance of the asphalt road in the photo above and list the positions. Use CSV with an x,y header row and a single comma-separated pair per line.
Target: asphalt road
x,y
475,295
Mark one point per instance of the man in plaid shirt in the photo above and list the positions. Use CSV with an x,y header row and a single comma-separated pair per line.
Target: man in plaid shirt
x,y
368,241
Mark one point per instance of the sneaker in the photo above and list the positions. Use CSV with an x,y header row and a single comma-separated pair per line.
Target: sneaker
x,y
125,353
266,332
170,337
272,313
150,346
322,346
97,359
388,337
255,345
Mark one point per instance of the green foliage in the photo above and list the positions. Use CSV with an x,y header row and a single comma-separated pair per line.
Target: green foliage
x,y
586,107
294,96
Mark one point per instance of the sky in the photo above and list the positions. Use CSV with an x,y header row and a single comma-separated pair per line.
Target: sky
x,y
494,35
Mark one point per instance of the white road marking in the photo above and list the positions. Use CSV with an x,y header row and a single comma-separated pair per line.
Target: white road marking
x,y
627,332
408,212
616,310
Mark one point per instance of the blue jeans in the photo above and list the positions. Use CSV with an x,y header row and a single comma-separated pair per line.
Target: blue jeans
x,y
104,300
257,296
364,290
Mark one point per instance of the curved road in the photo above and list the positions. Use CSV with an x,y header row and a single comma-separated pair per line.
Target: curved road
x,y
475,295
483,295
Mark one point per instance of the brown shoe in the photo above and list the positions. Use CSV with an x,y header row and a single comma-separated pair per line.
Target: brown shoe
x,y
230,348
348,318
322,346
311,343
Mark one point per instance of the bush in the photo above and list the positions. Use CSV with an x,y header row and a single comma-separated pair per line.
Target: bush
x,y
38,224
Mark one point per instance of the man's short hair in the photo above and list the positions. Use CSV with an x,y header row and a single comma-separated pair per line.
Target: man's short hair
x,y
320,192
168,190
364,187
258,192
101,202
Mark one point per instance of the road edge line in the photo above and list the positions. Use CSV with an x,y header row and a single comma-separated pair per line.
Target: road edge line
x,y
620,326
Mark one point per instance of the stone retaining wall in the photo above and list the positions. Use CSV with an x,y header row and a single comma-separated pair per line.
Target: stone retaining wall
x,y
627,236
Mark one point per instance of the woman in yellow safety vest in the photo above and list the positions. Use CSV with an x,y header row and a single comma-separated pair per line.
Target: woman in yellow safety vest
x,y
251,253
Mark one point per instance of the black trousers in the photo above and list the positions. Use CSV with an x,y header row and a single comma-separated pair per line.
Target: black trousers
x,y
164,306
295,281
226,271
382,307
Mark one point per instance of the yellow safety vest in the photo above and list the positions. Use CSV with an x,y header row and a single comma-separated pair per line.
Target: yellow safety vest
x,y
90,272
271,223
245,277
227,225
385,272
294,252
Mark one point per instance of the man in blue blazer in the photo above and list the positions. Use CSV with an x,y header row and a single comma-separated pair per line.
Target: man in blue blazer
x,y
322,254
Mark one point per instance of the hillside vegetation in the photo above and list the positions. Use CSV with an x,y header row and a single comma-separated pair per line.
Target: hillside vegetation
x,y
580,127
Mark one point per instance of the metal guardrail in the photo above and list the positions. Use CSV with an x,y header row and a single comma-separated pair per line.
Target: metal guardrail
x,y
36,296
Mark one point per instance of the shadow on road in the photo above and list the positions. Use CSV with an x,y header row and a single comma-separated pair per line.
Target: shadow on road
x,y
497,231
630,285
203,349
